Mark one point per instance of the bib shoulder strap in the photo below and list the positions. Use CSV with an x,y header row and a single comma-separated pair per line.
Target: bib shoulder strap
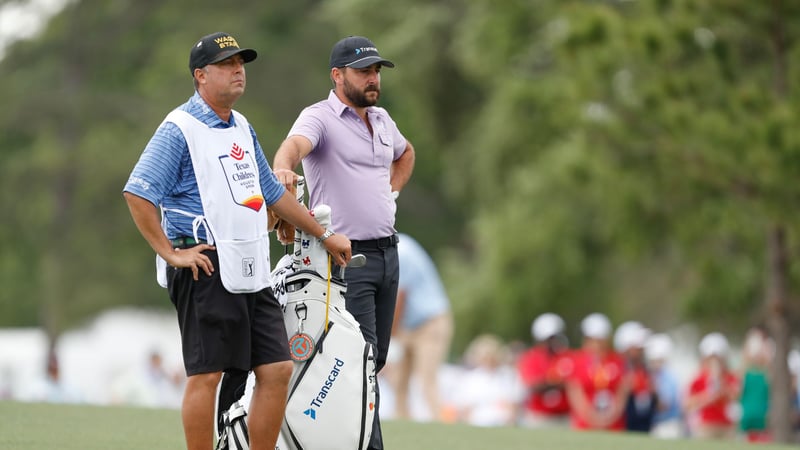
x,y
181,118
240,120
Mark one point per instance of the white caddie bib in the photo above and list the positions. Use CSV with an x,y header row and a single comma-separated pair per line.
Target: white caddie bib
x,y
235,216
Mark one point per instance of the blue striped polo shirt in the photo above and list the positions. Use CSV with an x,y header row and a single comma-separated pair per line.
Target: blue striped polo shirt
x,y
164,174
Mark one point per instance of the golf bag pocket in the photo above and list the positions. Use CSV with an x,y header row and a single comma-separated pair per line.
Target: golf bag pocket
x,y
332,394
233,435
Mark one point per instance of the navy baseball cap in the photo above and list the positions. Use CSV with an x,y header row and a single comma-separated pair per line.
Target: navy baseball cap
x,y
356,52
216,47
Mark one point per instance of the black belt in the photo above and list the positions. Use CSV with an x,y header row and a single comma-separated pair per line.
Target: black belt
x,y
185,242
385,242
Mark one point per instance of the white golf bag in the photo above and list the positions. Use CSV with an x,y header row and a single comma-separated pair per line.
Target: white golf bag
x,y
233,435
331,403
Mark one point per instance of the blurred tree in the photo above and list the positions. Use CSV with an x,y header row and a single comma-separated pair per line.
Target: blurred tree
x,y
628,157
655,134
81,100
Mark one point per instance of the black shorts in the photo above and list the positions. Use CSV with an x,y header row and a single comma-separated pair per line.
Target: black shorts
x,y
221,330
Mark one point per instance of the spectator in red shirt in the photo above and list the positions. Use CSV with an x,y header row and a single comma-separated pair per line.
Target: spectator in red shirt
x,y
597,390
544,369
713,392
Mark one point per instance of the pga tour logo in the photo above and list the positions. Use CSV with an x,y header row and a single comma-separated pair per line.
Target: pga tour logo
x,y
325,389
248,267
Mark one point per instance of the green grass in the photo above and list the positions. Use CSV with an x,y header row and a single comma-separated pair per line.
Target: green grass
x,y
25,426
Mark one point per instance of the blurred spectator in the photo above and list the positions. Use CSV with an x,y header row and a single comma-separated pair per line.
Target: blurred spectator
x,y
490,389
597,391
52,389
667,422
165,387
642,401
754,400
151,385
422,330
712,392
794,369
543,370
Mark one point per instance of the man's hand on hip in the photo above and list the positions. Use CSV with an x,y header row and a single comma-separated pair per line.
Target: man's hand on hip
x,y
192,258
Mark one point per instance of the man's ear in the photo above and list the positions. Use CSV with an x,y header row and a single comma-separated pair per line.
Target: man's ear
x,y
199,76
337,74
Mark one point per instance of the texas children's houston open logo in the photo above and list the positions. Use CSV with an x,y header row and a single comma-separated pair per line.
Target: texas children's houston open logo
x,y
241,172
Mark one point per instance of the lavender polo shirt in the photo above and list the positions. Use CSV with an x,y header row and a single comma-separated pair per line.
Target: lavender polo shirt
x,y
348,168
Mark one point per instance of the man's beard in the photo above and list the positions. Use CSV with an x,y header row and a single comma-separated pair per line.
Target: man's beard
x,y
358,98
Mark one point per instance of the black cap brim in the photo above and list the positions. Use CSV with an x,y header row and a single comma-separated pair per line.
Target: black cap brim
x,y
368,61
248,54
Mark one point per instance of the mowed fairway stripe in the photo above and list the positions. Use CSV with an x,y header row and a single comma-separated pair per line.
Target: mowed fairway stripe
x,y
28,426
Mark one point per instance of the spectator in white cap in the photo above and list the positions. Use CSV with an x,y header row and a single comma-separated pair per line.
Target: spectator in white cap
x,y
668,421
630,335
597,389
640,406
596,326
713,391
544,369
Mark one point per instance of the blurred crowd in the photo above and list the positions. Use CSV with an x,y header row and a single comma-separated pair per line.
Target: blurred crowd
x,y
620,379
125,356
617,379
150,384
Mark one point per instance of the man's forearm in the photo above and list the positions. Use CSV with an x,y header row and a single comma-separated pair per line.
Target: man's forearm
x,y
145,216
402,168
291,211
291,152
